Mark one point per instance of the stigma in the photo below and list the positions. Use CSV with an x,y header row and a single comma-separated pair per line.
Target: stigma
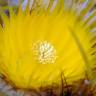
x,y
44,52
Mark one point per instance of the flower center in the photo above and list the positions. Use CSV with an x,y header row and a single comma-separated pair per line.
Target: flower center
x,y
44,52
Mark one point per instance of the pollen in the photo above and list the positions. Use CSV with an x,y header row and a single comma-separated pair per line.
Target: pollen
x,y
44,52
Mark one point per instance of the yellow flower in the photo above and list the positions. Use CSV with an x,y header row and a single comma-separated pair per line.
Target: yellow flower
x,y
37,47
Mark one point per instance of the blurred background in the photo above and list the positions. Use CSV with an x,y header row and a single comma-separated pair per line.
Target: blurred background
x,y
10,2
15,2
